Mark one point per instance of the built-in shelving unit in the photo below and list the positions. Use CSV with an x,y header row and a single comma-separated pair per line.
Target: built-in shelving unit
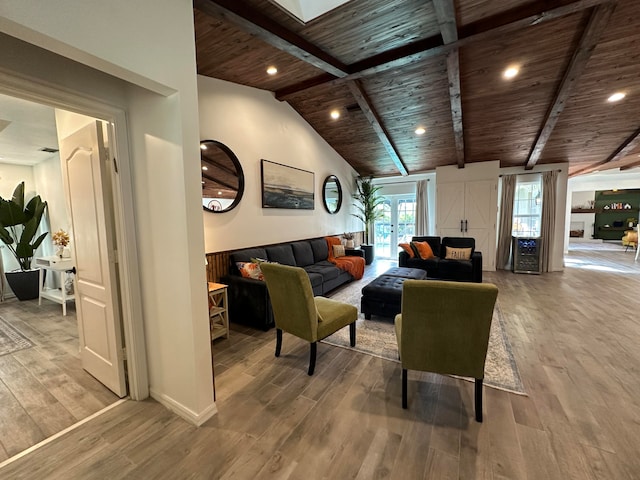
x,y
614,210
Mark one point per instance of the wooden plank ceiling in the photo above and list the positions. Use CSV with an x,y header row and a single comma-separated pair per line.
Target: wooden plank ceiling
x,y
391,66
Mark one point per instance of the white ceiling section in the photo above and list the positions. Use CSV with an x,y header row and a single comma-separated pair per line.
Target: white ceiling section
x,y
307,10
29,128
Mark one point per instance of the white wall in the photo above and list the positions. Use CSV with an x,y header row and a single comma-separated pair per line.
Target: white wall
x,y
48,181
150,44
255,126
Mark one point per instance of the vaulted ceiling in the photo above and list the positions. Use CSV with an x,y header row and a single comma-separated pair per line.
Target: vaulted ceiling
x,y
391,66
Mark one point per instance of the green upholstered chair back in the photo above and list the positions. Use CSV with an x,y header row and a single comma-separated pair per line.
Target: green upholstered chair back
x,y
294,309
445,326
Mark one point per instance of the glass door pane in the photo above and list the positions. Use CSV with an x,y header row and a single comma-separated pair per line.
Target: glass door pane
x,y
382,231
396,225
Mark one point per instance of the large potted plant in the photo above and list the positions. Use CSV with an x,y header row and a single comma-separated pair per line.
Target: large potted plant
x,y
18,227
368,201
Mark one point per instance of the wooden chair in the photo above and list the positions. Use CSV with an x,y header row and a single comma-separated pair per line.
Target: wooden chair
x,y
298,312
444,328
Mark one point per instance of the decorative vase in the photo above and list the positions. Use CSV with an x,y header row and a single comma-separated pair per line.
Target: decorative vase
x,y
66,253
349,244
59,251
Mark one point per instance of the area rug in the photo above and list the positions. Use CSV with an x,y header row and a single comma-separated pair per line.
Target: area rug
x,y
11,340
377,337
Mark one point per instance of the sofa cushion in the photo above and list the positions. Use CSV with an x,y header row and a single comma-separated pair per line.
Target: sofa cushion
x,y
320,249
282,254
457,253
458,242
245,256
407,248
423,250
434,243
250,270
303,253
338,251
454,267
315,279
327,269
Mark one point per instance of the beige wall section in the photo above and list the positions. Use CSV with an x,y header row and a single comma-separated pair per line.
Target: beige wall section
x,y
148,43
255,126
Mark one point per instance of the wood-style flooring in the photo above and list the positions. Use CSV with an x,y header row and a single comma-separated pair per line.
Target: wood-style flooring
x,y
575,336
43,389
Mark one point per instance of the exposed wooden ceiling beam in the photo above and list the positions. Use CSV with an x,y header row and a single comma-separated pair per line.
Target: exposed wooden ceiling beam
x,y
595,28
446,14
372,116
257,24
534,13
629,166
625,148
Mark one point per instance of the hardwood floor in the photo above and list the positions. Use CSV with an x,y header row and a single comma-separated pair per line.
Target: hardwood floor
x,y
575,338
43,389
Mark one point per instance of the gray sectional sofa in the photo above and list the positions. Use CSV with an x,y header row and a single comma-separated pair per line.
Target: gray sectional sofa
x,y
248,298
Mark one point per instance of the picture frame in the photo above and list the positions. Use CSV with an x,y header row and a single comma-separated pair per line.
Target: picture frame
x,y
286,187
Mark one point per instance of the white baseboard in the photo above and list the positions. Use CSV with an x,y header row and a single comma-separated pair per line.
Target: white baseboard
x,y
189,415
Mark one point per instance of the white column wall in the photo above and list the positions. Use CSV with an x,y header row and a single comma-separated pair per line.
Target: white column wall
x,y
150,44
255,126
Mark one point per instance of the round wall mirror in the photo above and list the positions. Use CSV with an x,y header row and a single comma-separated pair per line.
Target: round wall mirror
x,y
222,177
332,194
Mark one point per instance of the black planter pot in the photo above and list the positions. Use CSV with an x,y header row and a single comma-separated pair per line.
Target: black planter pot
x,y
24,284
368,253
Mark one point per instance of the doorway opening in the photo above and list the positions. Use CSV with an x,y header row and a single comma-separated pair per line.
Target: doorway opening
x,y
44,379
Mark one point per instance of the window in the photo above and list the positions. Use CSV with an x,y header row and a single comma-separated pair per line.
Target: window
x,y
527,206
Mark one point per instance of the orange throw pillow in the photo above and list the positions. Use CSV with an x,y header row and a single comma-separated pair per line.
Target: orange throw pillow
x,y
407,248
424,250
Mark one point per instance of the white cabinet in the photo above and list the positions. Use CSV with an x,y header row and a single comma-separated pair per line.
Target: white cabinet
x,y
469,209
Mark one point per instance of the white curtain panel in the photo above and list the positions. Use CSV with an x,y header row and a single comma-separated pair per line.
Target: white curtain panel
x,y
503,252
549,183
422,217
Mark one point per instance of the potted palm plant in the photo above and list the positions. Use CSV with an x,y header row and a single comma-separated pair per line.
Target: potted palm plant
x,y
18,227
367,211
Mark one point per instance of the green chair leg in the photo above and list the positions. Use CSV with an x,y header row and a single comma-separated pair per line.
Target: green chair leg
x,y
278,341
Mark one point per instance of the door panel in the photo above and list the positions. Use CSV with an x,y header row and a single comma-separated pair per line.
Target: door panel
x,y
450,206
87,184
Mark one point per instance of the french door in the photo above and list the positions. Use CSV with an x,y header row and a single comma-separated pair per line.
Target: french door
x,y
397,224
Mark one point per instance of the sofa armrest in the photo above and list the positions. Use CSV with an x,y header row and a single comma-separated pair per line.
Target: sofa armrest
x,y
402,258
249,302
476,262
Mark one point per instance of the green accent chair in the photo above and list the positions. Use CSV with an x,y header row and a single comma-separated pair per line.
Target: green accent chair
x,y
298,312
444,328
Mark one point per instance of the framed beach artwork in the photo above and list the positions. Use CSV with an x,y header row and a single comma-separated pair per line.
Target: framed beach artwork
x,y
286,187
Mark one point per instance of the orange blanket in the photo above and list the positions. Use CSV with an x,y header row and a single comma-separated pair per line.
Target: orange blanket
x,y
353,265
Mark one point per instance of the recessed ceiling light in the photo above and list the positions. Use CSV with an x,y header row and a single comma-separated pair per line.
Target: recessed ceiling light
x,y
205,168
420,130
272,70
203,146
219,193
335,114
510,72
616,97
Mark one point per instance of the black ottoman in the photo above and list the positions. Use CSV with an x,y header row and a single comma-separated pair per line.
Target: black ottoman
x,y
383,296
404,272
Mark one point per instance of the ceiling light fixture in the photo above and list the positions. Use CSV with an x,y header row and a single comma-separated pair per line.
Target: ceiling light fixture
x,y
616,97
203,146
272,70
335,114
205,168
420,130
510,72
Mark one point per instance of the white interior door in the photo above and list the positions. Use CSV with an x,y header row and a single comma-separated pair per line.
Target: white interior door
x,y
480,218
450,205
87,184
